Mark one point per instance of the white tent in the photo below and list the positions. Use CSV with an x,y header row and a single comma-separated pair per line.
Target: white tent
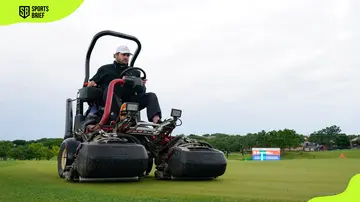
x,y
354,140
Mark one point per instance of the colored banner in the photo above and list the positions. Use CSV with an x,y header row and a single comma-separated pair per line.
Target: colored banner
x,y
264,154
36,11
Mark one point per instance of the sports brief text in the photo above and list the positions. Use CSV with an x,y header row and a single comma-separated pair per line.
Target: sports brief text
x,y
33,11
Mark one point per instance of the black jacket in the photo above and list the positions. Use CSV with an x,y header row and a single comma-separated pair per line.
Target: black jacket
x,y
106,73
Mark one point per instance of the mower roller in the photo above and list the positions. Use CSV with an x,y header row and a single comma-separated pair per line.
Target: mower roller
x,y
127,147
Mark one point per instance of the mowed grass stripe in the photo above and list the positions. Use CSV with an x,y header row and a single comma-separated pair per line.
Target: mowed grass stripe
x,y
292,180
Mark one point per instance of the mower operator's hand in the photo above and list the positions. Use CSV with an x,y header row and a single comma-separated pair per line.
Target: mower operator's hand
x,y
91,84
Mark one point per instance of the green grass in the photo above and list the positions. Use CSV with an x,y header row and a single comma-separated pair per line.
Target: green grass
x,y
285,180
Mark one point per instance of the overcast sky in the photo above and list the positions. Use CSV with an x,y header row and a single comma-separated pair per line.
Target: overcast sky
x,y
231,66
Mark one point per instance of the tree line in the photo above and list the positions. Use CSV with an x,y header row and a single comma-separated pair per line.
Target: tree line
x,y
42,149
331,137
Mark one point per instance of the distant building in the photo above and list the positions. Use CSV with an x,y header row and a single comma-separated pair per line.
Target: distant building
x,y
311,146
355,143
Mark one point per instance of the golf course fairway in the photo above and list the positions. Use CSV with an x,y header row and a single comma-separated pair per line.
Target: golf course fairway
x,y
284,180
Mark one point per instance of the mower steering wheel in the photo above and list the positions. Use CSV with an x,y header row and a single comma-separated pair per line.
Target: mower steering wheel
x,y
133,68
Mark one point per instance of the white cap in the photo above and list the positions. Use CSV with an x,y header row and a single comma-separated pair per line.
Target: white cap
x,y
123,49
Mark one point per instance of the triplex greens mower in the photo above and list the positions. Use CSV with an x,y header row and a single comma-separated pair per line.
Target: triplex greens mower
x,y
127,148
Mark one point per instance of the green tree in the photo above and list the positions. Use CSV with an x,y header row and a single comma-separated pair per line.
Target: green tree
x,y
326,136
342,141
19,142
38,151
20,153
5,147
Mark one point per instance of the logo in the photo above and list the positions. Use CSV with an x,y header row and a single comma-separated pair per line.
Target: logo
x,y
35,12
24,11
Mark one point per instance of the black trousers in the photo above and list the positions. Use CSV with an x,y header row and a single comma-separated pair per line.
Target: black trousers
x,y
145,100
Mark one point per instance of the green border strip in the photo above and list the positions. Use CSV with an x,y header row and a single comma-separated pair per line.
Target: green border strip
x,y
49,11
351,193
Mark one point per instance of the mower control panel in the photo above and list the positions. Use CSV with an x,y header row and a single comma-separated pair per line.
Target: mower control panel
x,y
135,83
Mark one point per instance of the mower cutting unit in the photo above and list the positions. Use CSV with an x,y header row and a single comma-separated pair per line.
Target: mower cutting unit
x,y
126,147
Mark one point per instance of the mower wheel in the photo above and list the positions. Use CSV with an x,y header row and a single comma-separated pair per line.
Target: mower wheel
x,y
66,155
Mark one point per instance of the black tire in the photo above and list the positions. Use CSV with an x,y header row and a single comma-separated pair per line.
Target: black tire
x,y
208,163
111,160
66,155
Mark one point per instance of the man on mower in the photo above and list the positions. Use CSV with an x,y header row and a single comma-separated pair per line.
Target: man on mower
x,y
109,72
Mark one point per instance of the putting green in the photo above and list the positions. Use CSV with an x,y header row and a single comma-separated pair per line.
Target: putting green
x,y
287,180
